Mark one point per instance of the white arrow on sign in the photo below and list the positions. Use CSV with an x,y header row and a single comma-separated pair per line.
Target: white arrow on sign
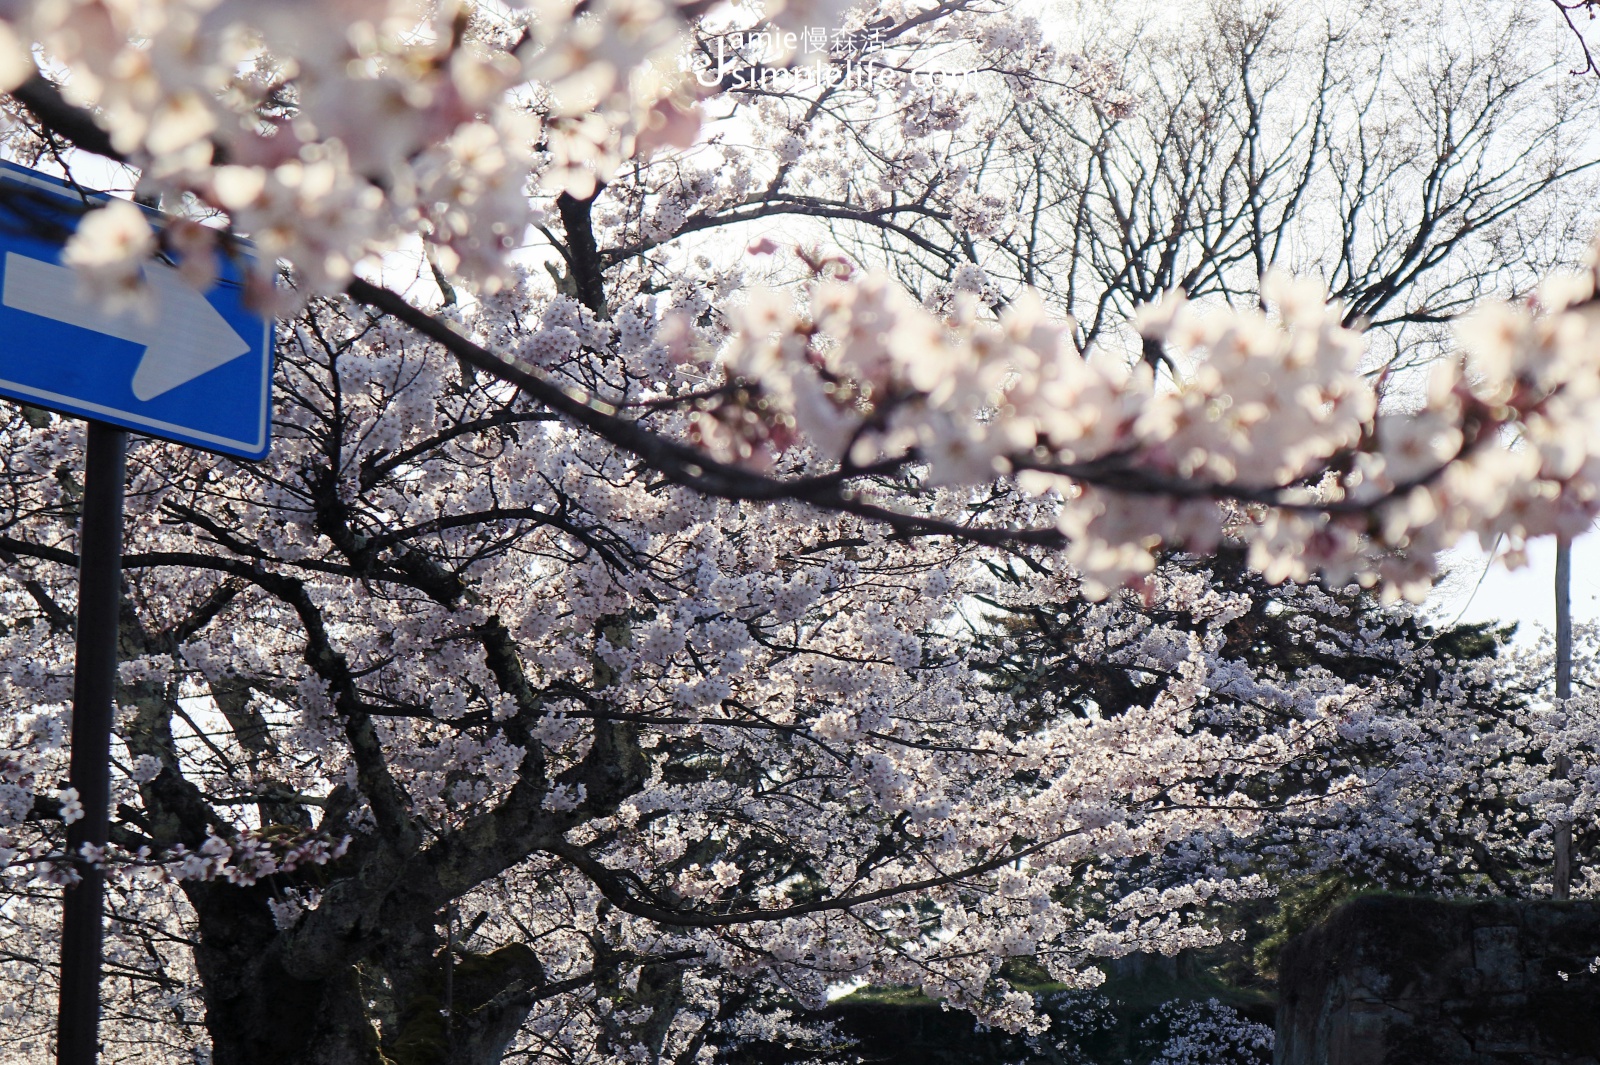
x,y
183,335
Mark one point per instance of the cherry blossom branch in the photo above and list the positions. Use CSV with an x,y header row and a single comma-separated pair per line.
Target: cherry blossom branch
x,y
74,124
679,463
777,205
612,883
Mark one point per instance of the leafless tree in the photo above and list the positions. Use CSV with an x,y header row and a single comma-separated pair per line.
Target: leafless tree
x,y
1416,160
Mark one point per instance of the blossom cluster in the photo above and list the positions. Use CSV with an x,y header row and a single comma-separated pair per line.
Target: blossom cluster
x,y
330,136
1267,428
248,858
328,132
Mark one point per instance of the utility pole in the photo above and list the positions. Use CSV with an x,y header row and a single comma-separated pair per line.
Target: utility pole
x,y
1562,886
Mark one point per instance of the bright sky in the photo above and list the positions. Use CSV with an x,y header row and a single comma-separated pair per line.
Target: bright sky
x,y
1476,590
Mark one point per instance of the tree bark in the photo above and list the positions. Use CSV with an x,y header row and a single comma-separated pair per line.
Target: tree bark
x,y
388,1008
584,262
258,1013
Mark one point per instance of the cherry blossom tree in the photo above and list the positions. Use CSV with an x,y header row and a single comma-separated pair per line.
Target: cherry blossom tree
x,y
450,729
1436,763
580,678
451,722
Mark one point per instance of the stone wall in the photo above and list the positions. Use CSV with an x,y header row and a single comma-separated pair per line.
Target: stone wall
x,y
1389,980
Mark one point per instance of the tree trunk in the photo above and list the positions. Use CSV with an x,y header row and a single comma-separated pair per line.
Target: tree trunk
x,y
258,1013
390,1008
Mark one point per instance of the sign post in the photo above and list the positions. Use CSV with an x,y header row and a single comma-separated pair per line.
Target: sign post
x,y
190,367
94,685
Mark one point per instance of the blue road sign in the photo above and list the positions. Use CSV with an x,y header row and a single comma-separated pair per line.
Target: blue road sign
x,y
191,367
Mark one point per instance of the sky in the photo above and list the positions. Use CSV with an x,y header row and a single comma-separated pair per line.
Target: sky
x,y
1474,589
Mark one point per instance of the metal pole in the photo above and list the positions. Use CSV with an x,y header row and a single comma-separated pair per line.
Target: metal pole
x,y
93,690
1562,886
